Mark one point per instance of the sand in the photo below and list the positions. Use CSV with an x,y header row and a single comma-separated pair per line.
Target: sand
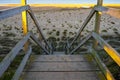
x,y
59,23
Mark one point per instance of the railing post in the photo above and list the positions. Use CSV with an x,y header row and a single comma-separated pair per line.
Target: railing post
x,y
97,22
24,23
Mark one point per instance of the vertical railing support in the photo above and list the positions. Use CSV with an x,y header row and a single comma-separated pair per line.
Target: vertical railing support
x,y
24,23
97,22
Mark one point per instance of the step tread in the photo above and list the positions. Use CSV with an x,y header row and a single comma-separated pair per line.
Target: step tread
x,y
59,58
61,76
60,67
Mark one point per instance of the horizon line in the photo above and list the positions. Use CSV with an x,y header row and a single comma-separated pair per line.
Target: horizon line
x,y
64,5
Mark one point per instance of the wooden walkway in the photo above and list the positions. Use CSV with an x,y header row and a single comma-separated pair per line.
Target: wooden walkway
x,y
60,67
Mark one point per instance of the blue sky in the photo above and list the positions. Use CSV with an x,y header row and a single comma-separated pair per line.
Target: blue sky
x,y
58,1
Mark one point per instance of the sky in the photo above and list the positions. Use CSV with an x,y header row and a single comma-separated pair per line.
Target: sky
x,y
58,1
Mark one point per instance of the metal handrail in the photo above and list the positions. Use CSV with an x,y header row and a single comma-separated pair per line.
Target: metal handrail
x,y
11,12
5,63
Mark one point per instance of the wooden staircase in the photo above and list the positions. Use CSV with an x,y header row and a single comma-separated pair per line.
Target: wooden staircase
x,y
60,67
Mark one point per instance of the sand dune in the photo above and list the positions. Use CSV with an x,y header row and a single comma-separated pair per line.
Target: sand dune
x,y
60,22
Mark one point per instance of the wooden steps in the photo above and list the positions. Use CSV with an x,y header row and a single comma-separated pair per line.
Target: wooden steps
x,y
61,67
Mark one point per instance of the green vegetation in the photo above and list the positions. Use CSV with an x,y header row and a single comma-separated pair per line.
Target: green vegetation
x,y
65,32
71,33
44,28
17,28
70,25
48,21
115,29
50,33
58,39
54,30
61,46
6,34
57,33
11,70
104,30
63,25
36,49
6,27
53,41
87,31
112,22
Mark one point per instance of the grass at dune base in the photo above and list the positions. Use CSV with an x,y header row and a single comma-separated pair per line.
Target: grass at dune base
x,y
11,70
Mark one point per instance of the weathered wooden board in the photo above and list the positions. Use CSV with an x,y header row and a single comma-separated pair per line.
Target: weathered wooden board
x,y
60,67
60,76
59,58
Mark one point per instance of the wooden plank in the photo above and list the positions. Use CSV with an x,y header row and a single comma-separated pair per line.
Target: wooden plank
x,y
58,53
83,25
38,42
112,52
12,54
55,67
82,42
11,12
22,65
67,46
61,67
59,58
38,26
60,76
102,66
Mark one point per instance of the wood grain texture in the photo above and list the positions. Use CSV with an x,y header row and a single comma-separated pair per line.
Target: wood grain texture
x,y
61,67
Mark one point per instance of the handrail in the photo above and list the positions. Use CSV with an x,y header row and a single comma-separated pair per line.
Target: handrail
x,y
38,27
112,52
19,46
101,65
83,41
83,25
95,9
10,12
22,65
